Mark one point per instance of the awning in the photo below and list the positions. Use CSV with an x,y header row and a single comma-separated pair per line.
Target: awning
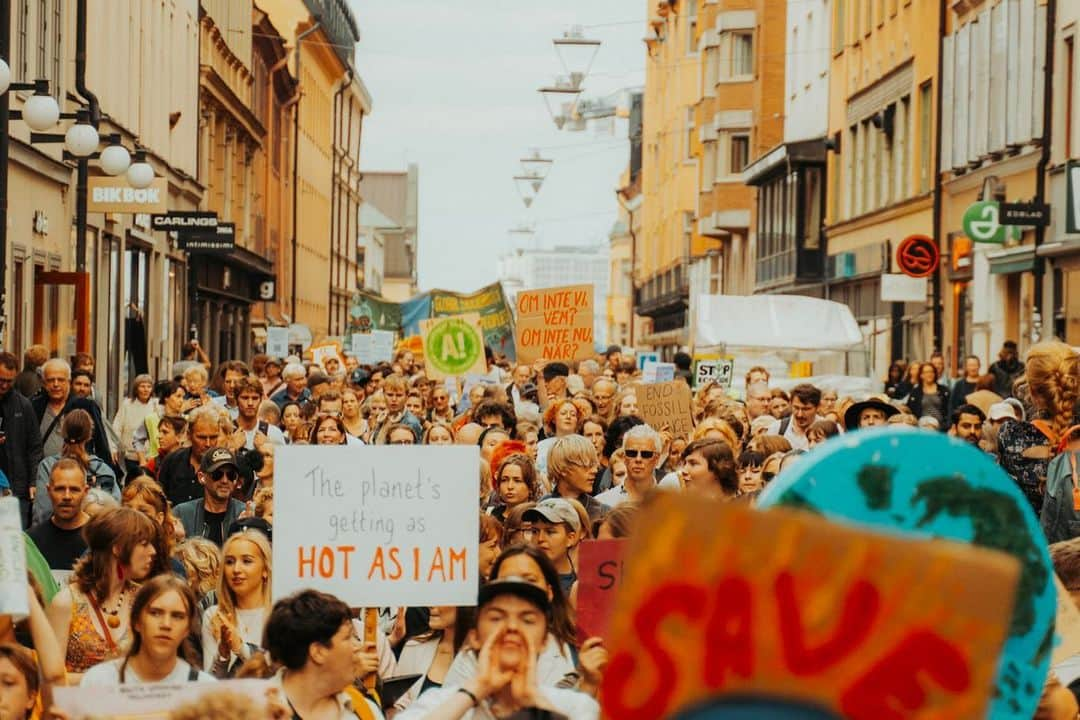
x,y
1014,260
792,322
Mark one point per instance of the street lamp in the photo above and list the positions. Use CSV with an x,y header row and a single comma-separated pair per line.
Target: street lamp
x,y
115,159
5,76
528,186
576,53
536,164
140,175
40,110
560,99
81,139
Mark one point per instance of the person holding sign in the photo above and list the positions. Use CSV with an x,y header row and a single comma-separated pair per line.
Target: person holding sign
x,y
311,635
511,630
163,614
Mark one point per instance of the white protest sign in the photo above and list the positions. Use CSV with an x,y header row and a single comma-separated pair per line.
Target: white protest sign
x,y
150,702
374,347
320,354
13,599
713,368
647,357
277,341
378,525
655,372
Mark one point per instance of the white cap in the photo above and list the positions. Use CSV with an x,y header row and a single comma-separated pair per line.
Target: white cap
x,y
1002,410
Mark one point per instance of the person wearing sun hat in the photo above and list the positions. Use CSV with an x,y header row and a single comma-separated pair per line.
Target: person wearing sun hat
x,y
869,413
511,628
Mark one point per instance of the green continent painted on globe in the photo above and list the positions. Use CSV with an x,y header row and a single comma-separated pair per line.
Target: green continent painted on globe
x,y
876,483
998,524
453,347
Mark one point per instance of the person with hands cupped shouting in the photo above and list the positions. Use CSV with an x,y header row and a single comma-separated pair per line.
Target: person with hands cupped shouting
x,y
510,630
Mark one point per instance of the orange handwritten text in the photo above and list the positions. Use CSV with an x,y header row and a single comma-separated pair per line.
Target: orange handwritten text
x,y
440,565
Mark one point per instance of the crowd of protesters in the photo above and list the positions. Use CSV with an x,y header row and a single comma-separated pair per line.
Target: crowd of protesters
x,y
149,537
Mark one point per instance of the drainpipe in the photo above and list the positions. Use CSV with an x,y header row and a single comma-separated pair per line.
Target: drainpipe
x,y
935,279
95,120
1039,320
296,158
335,193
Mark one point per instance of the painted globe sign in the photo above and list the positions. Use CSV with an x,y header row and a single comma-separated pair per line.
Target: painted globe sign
x,y
927,484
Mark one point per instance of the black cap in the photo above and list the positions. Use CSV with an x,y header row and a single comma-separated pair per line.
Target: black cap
x,y
515,585
217,458
359,377
251,523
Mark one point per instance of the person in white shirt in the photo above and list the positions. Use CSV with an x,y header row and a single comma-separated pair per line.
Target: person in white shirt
x,y
248,399
511,628
162,615
641,446
805,401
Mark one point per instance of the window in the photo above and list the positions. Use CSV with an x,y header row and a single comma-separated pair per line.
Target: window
x,y
691,28
1069,95
742,54
22,68
856,26
42,44
868,18
57,21
689,133
902,152
880,12
839,27
739,156
926,147
687,233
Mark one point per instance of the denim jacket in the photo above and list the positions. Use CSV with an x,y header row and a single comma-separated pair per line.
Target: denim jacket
x,y
192,514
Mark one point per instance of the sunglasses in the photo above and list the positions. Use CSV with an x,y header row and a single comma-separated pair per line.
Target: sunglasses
x,y
646,454
219,474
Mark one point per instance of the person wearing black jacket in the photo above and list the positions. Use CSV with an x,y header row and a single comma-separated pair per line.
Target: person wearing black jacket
x,y
56,402
20,438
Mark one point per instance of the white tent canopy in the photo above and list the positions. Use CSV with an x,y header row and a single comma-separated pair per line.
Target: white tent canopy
x,y
775,321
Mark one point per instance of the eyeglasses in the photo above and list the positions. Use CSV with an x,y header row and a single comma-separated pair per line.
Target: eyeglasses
x,y
646,454
219,474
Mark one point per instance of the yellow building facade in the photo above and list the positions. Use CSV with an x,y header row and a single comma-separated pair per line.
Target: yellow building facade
x,y
882,118
669,172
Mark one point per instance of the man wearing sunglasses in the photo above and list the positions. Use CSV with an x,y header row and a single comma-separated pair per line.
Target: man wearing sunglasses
x,y
642,446
216,510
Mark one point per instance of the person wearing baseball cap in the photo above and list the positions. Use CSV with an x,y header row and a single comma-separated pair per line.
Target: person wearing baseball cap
x,y
868,413
511,630
557,533
212,514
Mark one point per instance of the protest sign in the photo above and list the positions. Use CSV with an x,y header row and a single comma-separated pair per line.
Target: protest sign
x,y
599,576
555,324
713,368
277,342
654,372
321,353
783,608
373,347
453,346
377,525
667,403
647,357
932,485
151,702
13,600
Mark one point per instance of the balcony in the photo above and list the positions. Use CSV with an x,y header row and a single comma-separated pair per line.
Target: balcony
x,y
664,293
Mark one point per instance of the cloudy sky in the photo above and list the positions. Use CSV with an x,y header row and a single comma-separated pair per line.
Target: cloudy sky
x,y
454,86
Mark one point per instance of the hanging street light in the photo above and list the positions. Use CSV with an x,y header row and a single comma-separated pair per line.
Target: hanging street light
x,y
560,99
528,186
140,175
81,139
536,164
115,159
40,110
576,52
5,76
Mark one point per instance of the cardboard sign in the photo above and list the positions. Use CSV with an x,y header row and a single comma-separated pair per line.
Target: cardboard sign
x,y
784,608
321,353
374,347
453,346
12,561
600,564
277,342
150,702
667,403
713,368
378,525
657,372
555,324
932,486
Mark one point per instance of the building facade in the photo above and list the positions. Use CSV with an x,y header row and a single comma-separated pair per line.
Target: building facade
x,y
882,118
351,103
397,196
1061,251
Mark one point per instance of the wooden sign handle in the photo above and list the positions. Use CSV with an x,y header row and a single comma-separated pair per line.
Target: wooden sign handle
x,y
371,625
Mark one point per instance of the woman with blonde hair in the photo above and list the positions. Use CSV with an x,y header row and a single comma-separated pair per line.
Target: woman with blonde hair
x,y
232,630
91,615
713,428
146,496
201,559
1026,448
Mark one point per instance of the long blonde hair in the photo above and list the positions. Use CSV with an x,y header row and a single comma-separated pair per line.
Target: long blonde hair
x,y
225,596
1053,376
